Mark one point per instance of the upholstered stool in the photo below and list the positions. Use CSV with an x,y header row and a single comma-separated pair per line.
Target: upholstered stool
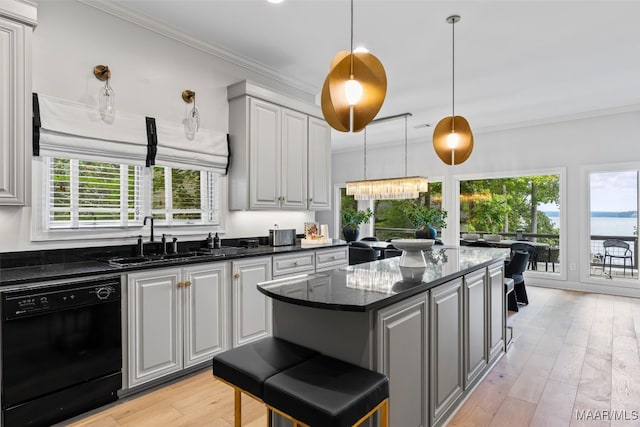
x,y
326,392
512,304
246,368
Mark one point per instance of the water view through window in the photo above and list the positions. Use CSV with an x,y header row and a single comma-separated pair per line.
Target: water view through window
x,y
613,222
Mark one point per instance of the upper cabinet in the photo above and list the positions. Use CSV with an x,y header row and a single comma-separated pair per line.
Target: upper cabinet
x,y
17,20
280,156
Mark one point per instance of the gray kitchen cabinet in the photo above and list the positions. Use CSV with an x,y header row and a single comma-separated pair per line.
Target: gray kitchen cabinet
x,y
330,258
251,309
446,348
402,352
475,326
281,155
497,311
273,140
16,27
177,318
319,185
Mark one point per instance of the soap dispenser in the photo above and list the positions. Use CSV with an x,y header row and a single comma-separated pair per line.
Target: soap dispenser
x,y
209,241
216,241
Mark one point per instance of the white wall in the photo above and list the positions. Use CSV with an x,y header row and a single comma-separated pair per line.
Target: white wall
x,y
149,73
569,146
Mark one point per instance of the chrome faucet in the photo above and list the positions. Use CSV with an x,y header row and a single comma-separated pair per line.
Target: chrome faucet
x,y
144,222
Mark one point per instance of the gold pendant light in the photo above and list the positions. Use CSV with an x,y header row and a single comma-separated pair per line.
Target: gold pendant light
x,y
407,187
452,136
354,89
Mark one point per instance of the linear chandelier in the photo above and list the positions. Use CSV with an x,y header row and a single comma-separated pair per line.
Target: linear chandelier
x,y
407,187
354,89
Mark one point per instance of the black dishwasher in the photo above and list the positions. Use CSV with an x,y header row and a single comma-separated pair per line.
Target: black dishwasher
x,y
61,351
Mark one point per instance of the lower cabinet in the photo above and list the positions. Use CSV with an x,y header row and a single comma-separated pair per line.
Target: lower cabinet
x,y
497,311
402,354
176,319
446,343
251,309
475,326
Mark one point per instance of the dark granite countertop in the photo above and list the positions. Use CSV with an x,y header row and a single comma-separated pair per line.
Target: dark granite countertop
x,y
373,285
66,264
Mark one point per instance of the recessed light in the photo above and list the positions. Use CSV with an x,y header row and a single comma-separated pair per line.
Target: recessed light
x,y
275,1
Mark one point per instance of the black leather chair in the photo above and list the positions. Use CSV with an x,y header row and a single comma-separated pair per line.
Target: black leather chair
x,y
359,244
358,255
514,268
481,244
533,253
391,252
370,239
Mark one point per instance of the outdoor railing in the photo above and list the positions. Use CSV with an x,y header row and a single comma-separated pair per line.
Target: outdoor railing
x,y
597,249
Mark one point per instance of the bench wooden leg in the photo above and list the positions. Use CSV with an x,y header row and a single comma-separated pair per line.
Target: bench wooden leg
x,y
237,408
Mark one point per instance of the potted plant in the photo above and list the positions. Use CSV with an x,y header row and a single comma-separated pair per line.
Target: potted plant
x,y
426,220
351,220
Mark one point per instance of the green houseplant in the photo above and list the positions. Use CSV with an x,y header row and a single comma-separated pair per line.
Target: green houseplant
x,y
351,220
426,220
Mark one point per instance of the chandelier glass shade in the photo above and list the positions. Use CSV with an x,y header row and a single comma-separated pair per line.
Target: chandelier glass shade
x,y
408,187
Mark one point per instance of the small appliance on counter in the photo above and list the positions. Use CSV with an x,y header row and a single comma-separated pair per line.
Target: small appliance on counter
x,y
248,243
282,237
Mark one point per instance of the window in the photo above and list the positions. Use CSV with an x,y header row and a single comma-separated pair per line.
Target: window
x,y
183,196
83,194
516,208
613,216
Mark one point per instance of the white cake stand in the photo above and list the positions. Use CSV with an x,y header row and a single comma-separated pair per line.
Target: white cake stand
x,y
412,255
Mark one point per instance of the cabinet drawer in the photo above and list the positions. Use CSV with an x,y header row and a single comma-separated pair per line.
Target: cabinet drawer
x,y
298,263
327,259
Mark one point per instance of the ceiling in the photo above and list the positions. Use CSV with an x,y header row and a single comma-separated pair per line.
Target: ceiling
x,y
516,62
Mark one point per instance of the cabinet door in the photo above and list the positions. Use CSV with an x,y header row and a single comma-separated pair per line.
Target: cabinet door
x,y
445,309
475,321
497,311
319,165
15,109
204,299
155,327
402,354
251,308
265,134
293,185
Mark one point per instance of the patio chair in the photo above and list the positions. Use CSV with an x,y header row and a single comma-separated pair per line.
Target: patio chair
x,y
615,248
514,268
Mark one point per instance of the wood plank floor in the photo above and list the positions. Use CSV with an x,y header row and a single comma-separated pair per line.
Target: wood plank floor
x,y
573,353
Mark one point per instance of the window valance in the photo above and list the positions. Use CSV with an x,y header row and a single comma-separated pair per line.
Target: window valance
x,y
73,130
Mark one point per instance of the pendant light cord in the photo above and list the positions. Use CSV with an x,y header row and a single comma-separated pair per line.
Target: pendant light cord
x,y
365,154
453,73
351,43
405,146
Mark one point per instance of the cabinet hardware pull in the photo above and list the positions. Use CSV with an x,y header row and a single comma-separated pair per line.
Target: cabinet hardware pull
x,y
187,283
296,263
236,276
180,284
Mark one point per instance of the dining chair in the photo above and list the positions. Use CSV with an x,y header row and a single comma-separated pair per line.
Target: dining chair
x,y
616,248
481,244
358,255
514,268
533,253
391,252
370,239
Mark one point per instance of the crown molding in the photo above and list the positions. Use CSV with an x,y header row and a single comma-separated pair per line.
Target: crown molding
x,y
24,11
166,30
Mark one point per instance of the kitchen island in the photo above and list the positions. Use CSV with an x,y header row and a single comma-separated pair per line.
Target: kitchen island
x,y
435,338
